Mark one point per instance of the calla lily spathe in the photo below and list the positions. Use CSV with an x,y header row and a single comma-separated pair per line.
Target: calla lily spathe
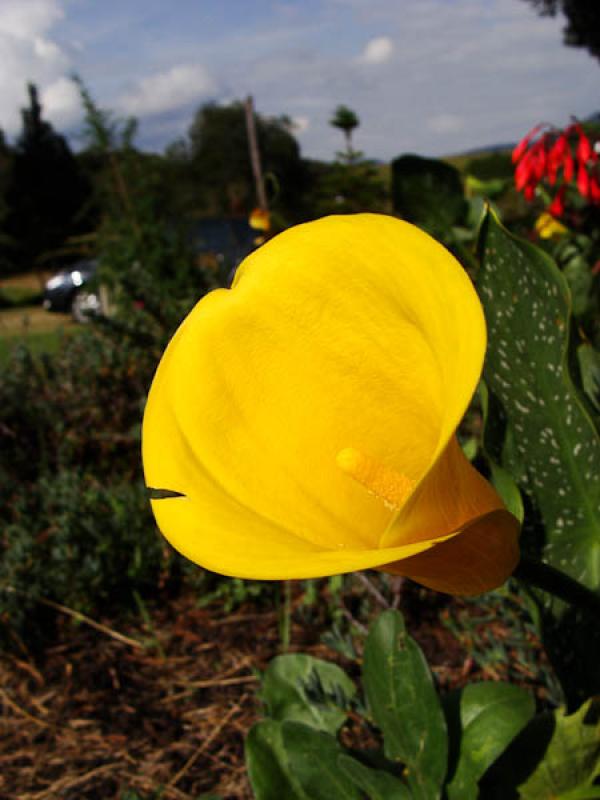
x,y
307,416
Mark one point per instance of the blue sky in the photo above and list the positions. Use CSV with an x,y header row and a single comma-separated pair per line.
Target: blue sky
x,y
427,76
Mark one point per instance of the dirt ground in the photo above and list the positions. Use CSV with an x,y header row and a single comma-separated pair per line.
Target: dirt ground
x,y
164,706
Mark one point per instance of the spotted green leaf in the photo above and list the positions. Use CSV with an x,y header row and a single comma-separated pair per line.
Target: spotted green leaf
x,y
554,451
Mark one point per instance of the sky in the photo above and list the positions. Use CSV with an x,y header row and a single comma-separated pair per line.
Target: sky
x,y
433,77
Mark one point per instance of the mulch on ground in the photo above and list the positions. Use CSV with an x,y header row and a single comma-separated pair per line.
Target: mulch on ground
x,y
164,708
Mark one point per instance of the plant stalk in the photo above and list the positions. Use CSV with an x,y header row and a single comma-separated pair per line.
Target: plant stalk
x,y
551,580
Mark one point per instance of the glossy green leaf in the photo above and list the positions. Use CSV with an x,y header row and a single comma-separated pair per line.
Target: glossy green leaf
x,y
571,762
405,705
267,764
377,784
483,718
556,448
286,687
313,758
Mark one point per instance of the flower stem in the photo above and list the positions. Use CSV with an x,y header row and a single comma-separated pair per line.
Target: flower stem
x,y
551,580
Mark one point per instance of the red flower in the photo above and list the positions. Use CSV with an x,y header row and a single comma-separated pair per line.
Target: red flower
x,y
585,151
524,170
557,206
524,144
583,181
594,190
568,167
556,157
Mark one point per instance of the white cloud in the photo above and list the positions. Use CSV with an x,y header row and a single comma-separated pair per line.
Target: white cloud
x,y
300,124
61,102
27,54
168,91
377,50
445,123
26,18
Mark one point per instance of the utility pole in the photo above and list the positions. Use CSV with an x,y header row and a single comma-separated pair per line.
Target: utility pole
x,y
259,182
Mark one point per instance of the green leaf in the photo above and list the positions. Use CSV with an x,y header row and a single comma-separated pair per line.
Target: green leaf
x,y
578,274
493,441
572,759
313,758
484,718
286,688
267,764
377,784
404,704
428,193
556,456
589,365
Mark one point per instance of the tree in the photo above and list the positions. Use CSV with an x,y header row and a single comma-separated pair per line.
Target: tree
x,y
47,192
219,158
346,120
583,21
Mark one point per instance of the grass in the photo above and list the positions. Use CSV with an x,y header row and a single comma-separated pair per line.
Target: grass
x,y
39,329
21,290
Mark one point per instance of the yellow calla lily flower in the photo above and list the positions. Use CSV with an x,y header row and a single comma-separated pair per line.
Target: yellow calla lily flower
x,y
307,416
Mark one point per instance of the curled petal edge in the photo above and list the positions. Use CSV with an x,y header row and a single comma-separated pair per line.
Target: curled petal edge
x,y
476,558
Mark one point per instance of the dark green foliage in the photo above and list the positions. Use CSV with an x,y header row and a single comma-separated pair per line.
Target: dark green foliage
x,y
73,540
491,166
220,162
349,188
46,193
583,21
346,121
78,409
428,193
75,520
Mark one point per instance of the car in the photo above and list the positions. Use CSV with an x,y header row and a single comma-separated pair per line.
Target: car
x,y
216,242
68,291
